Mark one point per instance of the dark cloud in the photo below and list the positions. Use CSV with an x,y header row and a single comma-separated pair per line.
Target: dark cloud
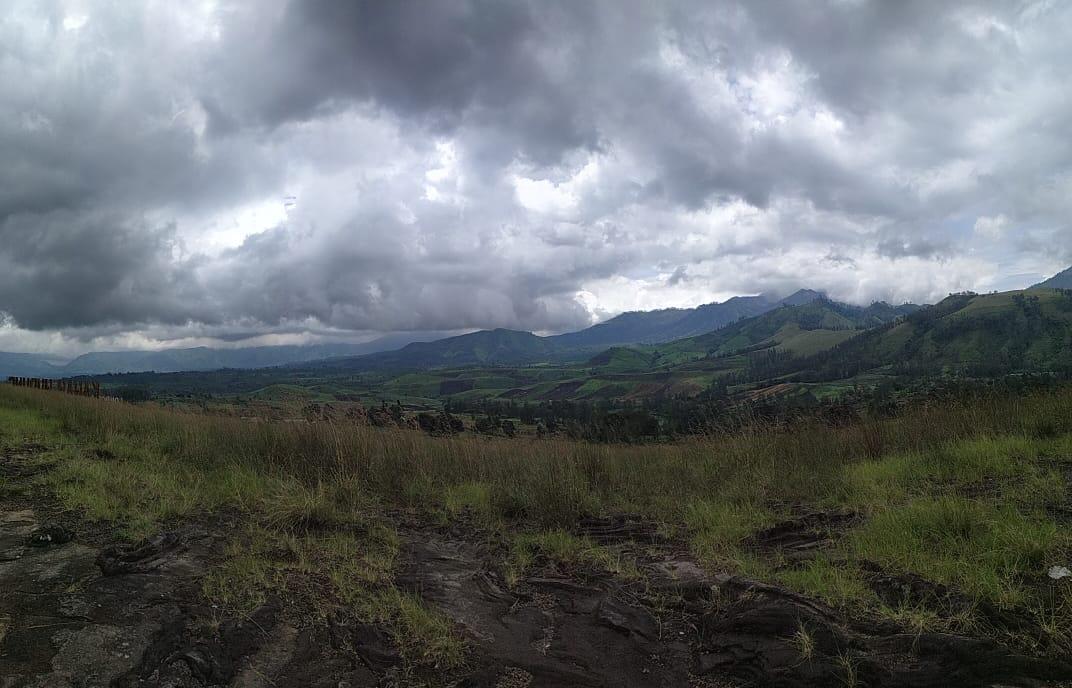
x,y
477,163
442,65
68,268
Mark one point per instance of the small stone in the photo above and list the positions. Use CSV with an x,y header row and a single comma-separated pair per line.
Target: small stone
x,y
50,535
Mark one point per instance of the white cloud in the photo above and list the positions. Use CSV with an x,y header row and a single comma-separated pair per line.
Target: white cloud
x,y
992,228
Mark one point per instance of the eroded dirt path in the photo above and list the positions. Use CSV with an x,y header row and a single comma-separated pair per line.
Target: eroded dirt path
x,y
75,612
548,631
677,626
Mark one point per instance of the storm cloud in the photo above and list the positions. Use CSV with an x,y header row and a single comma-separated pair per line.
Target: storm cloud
x,y
199,172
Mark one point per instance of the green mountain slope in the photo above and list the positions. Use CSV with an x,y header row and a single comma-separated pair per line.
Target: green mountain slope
x,y
978,335
654,327
795,331
1062,280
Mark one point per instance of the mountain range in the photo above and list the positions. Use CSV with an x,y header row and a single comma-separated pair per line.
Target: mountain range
x,y
659,337
498,346
194,359
513,347
817,348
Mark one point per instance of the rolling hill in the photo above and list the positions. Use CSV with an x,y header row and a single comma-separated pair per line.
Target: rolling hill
x,y
488,347
498,364
818,348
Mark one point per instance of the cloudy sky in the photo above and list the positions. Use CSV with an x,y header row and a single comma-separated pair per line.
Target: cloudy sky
x,y
179,173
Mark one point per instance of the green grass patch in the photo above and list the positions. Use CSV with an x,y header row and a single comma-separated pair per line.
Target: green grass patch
x,y
425,637
470,498
986,550
565,550
837,582
716,527
351,568
894,478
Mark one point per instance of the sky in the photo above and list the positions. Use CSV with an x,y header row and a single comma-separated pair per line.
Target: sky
x,y
287,171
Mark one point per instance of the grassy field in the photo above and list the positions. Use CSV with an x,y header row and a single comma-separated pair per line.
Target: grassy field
x,y
973,495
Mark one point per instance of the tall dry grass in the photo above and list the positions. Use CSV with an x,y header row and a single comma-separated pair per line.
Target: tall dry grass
x,y
550,482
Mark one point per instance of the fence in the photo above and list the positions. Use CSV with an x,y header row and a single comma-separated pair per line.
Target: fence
x,y
85,389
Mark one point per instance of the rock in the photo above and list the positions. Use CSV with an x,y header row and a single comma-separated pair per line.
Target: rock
x,y
374,648
198,663
799,538
629,620
909,589
620,528
141,557
766,635
50,535
553,632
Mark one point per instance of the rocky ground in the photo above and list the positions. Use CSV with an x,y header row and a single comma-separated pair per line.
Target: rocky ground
x,y
79,608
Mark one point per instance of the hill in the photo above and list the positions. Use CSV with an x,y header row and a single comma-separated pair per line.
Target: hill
x,y
488,347
1062,280
485,347
520,366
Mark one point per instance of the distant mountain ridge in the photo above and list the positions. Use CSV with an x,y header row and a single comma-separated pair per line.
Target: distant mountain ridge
x,y
192,359
485,347
25,365
654,327
802,329
512,347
